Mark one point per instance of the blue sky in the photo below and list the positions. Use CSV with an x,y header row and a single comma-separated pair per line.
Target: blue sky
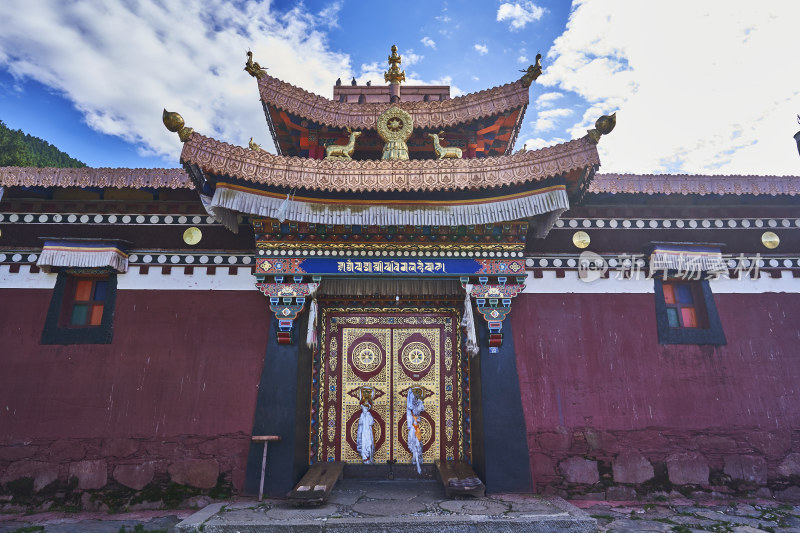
x,y
708,88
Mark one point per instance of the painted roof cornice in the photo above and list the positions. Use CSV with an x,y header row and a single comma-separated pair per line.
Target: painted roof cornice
x,y
435,114
262,167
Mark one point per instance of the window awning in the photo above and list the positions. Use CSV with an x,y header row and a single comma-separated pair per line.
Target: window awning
x,y
686,258
83,253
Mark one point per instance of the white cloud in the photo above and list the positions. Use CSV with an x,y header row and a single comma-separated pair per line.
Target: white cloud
x,y
538,142
410,58
546,120
121,63
482,49
519,14
720,98
427,41
547,99
522,59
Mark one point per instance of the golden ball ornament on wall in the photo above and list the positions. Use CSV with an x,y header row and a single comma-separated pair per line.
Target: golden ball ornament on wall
x,y
770,239
192,236
581,239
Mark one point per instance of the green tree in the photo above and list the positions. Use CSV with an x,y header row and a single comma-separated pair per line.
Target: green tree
x,y
18,149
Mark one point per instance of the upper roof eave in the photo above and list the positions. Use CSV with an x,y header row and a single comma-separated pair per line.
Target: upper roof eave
x,y
217,157
433,114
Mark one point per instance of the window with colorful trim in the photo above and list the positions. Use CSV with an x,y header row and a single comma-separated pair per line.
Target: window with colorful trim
x,y
82,307
686,313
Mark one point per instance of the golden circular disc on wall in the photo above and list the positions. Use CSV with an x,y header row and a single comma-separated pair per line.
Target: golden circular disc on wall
x,y
581,239
192,236
770,239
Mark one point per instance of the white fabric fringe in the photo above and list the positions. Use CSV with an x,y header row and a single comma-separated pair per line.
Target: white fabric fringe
x,y
686,262
468,322
227,218
81,259
311,335
376,214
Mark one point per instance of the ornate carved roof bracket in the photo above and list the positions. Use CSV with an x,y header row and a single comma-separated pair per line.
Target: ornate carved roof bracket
x,y
287,301
493,302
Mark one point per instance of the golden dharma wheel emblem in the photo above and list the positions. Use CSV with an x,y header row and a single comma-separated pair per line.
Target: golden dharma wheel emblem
x,y
770,239
581,239
192,236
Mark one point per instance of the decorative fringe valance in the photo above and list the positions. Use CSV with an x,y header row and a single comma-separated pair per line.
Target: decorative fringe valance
x,y
312,339
468,322
228,219
686,258
236,198
79,253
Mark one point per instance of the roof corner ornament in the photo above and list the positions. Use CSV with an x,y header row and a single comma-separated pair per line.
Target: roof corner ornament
x,y
252,67
603,126
395,126
174,123
253,146
533,72
394,76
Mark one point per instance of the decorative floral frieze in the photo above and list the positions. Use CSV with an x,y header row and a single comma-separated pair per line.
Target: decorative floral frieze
x,y
136,178
702,185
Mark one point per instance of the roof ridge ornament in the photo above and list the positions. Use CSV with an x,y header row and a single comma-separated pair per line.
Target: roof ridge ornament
x,y
253,68
603,126
533,72
394,76
395,126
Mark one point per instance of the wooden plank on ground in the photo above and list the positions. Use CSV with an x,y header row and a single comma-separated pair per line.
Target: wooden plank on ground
x,y
458,479
317,484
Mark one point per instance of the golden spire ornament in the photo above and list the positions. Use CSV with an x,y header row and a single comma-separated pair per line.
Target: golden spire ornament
x,y
394,76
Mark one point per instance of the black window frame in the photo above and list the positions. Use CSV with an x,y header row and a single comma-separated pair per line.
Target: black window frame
x,y
57,332
711,334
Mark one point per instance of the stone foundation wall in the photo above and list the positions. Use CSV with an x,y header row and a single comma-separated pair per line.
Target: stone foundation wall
x,y
610,413
613,465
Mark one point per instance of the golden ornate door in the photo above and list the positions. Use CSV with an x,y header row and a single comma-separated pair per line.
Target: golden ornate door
x,y
389,352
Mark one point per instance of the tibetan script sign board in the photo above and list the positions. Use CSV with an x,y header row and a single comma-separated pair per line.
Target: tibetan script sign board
x,y
390,266
390,351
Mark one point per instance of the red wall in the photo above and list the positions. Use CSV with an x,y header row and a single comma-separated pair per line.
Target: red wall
x,y
183,364
595,380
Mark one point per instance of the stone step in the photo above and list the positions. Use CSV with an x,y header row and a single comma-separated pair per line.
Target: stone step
x,y
402,506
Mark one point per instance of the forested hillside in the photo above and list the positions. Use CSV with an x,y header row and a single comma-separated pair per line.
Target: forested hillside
x,y
18,149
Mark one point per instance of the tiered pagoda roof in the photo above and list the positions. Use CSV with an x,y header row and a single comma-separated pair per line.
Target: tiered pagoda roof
x,y
483,182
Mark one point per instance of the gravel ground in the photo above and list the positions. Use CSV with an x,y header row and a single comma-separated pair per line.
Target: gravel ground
x,y
685,516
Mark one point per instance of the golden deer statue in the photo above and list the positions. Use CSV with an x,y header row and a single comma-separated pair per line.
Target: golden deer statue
x,y
338,151
450,152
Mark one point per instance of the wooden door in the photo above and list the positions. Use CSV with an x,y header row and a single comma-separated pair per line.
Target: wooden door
x,y
389,353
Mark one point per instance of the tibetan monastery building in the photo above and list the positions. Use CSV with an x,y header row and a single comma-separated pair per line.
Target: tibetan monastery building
x,y
567,331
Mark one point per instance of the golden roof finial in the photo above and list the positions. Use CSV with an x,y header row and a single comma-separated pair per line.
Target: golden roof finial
x,y
603,126
395,75
174,122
